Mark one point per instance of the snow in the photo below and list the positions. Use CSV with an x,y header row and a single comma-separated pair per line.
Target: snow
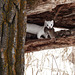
x,y
49,62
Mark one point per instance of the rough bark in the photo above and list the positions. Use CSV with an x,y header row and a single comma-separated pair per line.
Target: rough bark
x,y
11,14
3,41
64,16
9,43
0,36
21,26
63,39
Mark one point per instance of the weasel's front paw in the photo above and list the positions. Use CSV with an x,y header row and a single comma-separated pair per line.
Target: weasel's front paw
x,y
41,38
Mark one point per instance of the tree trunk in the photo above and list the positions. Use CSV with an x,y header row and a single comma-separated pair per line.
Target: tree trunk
x,y
10,36
11,33
0,37
3,41
21,33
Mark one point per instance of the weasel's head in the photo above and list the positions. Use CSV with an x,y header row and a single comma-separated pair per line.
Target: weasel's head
x,y
49,24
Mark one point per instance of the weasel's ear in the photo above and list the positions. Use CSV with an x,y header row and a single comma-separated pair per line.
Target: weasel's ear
x,y
52,20
45,21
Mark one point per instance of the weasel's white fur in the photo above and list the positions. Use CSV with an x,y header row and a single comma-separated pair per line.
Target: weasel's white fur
x,y
49,24
39,30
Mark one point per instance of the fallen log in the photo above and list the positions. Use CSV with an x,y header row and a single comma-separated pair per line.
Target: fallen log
x,y
66,38
39,45
64,16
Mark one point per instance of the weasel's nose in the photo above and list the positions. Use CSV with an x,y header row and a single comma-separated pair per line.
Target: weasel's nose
x,y
50,27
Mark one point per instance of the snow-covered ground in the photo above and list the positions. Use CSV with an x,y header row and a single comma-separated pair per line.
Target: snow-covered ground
x,y
50,62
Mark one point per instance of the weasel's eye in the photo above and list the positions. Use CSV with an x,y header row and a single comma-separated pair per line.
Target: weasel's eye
x,y
51,24
47,24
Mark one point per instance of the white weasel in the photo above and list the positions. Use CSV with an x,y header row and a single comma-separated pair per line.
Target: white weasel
x,y
39,30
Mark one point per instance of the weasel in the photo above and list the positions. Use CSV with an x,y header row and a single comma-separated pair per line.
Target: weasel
x,y
39,30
